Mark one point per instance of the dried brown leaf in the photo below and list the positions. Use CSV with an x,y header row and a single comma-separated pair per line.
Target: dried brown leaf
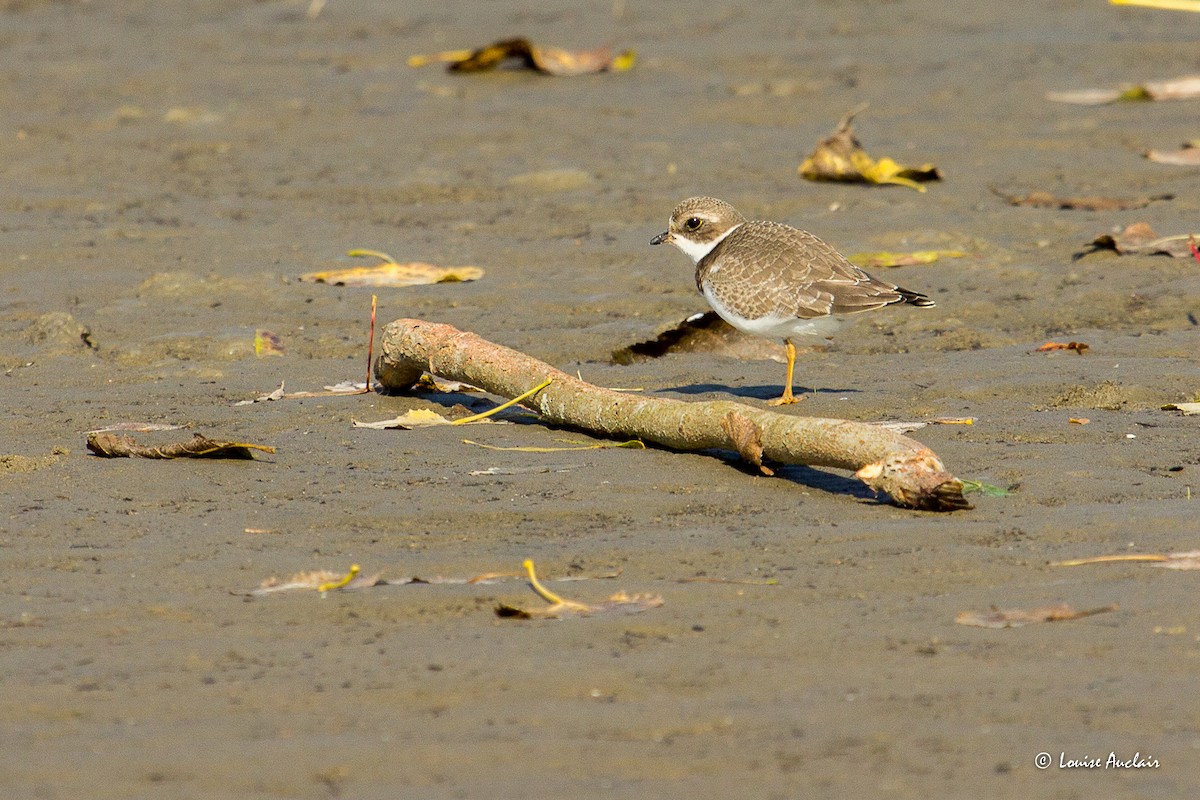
x,y
1186,156
1086,203
1183,88
1188,409
267,343
319,580
559,607
619,603
414,273
546,59
1050,347
1187,560
842,158
1015,618
1140,238
111,446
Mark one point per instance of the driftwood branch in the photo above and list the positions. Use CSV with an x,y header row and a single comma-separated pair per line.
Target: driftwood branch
x,y
904,469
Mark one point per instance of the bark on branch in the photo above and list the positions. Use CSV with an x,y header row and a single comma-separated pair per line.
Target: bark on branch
x,y
905,470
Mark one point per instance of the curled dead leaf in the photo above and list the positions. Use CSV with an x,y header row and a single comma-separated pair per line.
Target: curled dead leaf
x,y
559,607
1186,156
1086,203
1140,238
522,52
1183,88
1015,618
1050,347
109,445
391,274
841,158
1188,409
268,344
319,580
1187,560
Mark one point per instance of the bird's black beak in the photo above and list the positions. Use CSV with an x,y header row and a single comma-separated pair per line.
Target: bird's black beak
x,y
662,237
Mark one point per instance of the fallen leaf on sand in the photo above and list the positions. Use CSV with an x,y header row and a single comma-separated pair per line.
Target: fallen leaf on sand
x,y
1188,409
1187,560
1140,238
884,259
619,603
137,427
1186,156
1166,5
424,418
319,580
842,158
391,274
345,388
111,446
907,427
1050,347
1183,88
429,383
1079,420
1087,203
268,344
326,581
412,274
984,488
1015,618
409,420
522,52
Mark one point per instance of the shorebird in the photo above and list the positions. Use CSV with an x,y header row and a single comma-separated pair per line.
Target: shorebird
x,y
774,280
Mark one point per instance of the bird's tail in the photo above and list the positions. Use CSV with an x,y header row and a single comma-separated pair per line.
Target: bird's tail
x,y
915,298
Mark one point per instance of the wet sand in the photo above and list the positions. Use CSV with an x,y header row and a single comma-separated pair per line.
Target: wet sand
x,y
171,169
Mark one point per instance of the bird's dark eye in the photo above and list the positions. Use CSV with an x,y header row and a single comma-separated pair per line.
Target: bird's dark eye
x,y
693,224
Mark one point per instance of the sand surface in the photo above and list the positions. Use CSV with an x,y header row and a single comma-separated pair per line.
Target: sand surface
x,y
171,169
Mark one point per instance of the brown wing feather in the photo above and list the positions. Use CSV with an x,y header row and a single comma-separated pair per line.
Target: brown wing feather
x,y
808,278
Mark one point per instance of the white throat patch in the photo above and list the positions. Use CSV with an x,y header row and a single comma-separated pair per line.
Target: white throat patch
x,y
698,250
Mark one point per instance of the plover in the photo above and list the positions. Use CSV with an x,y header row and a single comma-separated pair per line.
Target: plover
x,y
774,280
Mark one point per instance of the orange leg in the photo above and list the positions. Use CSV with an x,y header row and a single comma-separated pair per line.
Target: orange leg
x,y
788,398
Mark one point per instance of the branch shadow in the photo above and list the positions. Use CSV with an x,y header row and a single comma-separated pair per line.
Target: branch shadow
x,y
806,476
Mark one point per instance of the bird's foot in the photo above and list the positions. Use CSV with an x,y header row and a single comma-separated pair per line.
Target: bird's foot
x,y
787,400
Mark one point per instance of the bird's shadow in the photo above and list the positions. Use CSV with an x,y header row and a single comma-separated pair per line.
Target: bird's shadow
x,y
767,392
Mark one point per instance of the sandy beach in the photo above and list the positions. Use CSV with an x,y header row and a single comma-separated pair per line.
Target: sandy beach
x,y
172,169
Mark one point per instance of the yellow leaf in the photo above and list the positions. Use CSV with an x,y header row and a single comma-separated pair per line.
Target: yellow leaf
x,y
1166,5
417,418
268,344
414,273
888,259
842,158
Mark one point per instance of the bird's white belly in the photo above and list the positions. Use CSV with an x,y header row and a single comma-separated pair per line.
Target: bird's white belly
x,y
778,325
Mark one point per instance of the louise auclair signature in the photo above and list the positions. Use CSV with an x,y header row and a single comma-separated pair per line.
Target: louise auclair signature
x,y
1112,761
